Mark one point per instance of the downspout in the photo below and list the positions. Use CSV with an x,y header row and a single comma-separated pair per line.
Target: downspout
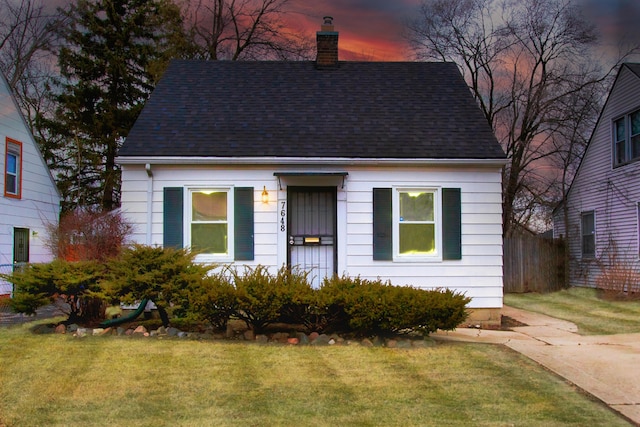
x,y
147,168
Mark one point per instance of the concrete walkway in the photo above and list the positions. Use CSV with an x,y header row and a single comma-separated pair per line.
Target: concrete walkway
x,y
606,366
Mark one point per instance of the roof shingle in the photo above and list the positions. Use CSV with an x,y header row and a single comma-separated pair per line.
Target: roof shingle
x,y
368,110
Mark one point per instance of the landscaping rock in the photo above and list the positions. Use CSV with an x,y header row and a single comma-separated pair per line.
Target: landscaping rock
x,y
303,339
140,331
72,328
61,329
83,332
172,332
262,339
323,339
249,335
366,343
293,341
161,331
182,334
120,331
98,331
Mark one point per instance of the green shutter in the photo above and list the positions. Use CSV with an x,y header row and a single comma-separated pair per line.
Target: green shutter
x,y
243,223
173,217
451,224
382,224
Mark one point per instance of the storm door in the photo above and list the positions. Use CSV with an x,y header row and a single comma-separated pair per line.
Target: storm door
x,y
20,245
312,231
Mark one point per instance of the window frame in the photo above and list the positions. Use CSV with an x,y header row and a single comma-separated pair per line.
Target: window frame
x,y
14,148
592,234
627,141
436,256
188,221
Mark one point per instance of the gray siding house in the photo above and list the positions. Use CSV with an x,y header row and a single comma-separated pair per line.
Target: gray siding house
x,y
603,203
372,169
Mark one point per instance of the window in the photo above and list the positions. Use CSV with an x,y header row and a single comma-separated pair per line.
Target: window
x,y
627,138
209,221
588,232
415,218
206,224
13,169
417,224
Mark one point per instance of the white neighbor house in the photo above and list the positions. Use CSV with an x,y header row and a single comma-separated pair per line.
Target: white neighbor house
x,y
604,199
29,196
376,169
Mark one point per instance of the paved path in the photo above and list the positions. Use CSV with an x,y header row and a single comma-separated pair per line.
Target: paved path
x,y
605,366
9,318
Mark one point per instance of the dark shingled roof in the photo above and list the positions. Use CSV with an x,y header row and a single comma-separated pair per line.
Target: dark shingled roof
x,y
368,110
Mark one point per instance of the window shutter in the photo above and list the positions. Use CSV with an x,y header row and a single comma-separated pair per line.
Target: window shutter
x,y
243,223
382,224
451,224
173,213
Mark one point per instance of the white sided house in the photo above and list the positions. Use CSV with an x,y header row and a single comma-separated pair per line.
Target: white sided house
x,y
603,203
29,196
372,169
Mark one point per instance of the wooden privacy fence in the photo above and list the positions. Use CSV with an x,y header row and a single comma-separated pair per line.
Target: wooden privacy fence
x,y
533,264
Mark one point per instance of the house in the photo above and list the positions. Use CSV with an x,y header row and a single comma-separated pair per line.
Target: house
x,y
603,203
372,169
29,197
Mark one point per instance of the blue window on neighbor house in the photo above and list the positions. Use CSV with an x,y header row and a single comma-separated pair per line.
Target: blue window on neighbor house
x,y
588,232
13,169
626,138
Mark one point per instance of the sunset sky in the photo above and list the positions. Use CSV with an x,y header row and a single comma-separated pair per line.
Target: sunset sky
x,y
372,29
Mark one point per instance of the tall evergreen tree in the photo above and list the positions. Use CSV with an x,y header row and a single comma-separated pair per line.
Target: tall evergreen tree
x,y
113,52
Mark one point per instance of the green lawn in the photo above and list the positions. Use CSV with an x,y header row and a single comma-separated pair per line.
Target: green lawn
x,y
584,307
97,381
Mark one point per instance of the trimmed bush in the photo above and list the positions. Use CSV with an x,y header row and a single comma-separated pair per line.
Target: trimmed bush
x,y
367,307
36,285
214,299
163,275
264,298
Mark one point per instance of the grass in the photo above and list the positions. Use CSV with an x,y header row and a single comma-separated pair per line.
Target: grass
x,y
584,307
58,380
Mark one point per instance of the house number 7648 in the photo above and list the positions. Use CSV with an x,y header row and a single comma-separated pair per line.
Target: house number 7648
x,y
283,216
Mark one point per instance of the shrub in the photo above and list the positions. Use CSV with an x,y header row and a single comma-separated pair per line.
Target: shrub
x,y
263,298
86,234
214,299
163,275
36,285
367,307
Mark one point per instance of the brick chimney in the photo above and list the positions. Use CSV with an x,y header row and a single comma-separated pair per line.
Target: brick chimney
x,y
327,40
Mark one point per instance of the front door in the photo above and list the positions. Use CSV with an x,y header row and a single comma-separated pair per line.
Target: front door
x,y
312,231
20,245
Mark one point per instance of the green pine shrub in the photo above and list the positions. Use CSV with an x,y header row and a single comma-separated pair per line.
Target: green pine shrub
x,y
214,299
264,298
163,275
36,285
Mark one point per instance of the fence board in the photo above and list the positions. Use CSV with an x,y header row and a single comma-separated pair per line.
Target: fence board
x,y
533,264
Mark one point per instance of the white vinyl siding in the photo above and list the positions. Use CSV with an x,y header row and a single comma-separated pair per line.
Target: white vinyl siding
x,y
478,274
39,202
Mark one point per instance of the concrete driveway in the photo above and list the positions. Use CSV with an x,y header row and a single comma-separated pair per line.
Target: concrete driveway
x,y
607,366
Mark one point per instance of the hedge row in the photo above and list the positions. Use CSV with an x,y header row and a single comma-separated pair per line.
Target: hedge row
x,y
182,288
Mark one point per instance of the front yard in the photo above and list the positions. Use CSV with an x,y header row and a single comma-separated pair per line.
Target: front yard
x,y
61,380
593,314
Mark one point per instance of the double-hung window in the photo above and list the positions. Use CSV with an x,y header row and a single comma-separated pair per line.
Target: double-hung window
x,y
210,231
416,219
626,135
588,232
13,169
215,222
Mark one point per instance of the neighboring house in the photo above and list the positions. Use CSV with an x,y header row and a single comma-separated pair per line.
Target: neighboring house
x,y
603,201
372,169
29,198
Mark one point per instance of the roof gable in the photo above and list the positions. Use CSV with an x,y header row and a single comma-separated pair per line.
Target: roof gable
x,y
368,110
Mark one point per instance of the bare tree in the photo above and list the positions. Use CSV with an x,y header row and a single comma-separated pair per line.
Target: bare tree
x,y
242,30
532,68
27,37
